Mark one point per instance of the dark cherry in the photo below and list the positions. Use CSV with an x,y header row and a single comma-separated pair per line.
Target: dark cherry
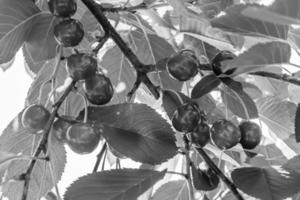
x,y
98,89
219,58
186,117
82,138
61,126
35,117
62,8
250,134
81,66
225,134
201,135
205,180
183,65
69,32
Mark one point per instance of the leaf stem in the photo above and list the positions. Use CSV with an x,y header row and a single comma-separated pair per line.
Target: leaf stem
x,y
99,157
213,166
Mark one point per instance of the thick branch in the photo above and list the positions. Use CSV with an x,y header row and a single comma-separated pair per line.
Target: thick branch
x,y
43,142
124,8
281,77
214,167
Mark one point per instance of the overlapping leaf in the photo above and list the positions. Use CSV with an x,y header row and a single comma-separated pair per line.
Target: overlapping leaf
x,y
173,190
113,185
205,85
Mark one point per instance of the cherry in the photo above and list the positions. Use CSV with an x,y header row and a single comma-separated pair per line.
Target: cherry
x,y
186,117
82,138
219,58
62,8
81,66
201,135
98,89
183,65
35,117
61,126
250,134
225,134
69,32
205,180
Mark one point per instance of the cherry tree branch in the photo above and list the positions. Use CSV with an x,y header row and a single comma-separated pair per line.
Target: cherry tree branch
x,y
43,142
215,168
281,77
141,68
188,165
131,9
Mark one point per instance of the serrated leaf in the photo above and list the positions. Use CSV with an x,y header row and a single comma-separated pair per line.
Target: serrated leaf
x,y
31,67
166,81
234,21
173,190
297,124
237,100
17,140
145,134
284,12
292,164
274,113
258,57
17,21
113,185
205,86
266,183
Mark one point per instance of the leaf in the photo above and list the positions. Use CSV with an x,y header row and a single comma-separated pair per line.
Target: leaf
x,y
166,81
113,185
5,159
237,100
17,21
292,164
274,113
31,67
16,139
259,57
252,90
7,65
297,124
145,134
284,12
234,21
41,44
173,190
266,183
205,86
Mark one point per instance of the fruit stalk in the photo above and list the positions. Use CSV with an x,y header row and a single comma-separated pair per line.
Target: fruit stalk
x,y
281,77
43,142
99,157
212,165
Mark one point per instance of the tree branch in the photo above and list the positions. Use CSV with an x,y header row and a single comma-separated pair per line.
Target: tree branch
x,y
131,9
43,142
214,167
188,165
97,11
281,77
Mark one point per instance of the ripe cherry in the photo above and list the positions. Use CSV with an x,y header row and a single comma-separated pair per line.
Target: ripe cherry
x,y
205,180
183,65
69,32
201,135
225,134
186,117
218,59
81,66
250,134
35,117
98,89
62,8
82,138
61,126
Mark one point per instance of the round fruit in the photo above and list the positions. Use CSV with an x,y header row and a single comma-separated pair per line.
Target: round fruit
x,y
218,59
69,32
61,126
186,117
35,117
205,180
250,134
62,8
98,89
225,134
81,66
183,65
201,135
82,138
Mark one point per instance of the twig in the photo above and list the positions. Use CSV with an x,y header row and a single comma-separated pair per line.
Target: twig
x,y
99,157
101,42
281,77
188,166
43,142
97,10
131,9
213,166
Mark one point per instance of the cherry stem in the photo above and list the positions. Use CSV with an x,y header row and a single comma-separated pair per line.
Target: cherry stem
x,y
44,140
177,173
101,42
281,77
141,68
131,9
99,157
215,168
188,165
85,101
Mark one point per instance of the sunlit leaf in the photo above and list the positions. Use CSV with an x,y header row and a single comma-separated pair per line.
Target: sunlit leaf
x,y
173,190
